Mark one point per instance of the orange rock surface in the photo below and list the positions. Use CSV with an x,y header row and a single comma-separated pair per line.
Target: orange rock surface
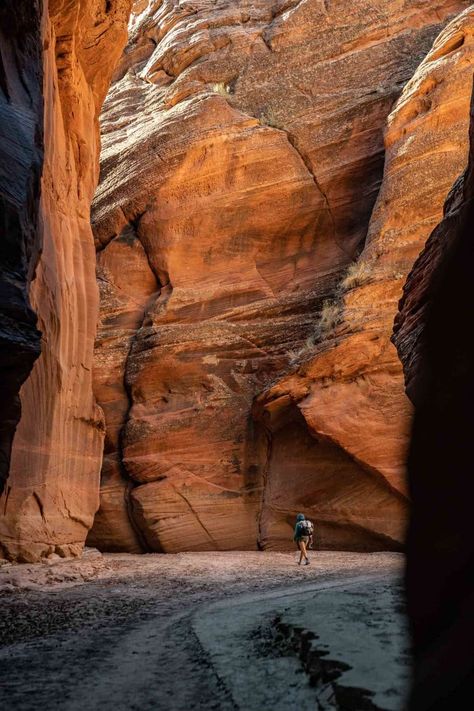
x,y
350,393
242,155
127,286
52,490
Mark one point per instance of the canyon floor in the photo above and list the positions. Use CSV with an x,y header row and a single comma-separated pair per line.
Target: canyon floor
x,y
204,631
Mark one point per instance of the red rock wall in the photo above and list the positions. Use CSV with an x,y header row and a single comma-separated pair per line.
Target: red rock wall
x,y
245,161
52,491
350,391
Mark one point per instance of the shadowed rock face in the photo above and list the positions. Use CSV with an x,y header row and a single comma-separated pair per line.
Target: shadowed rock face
x,y
21,155
52,491
438,356
242,155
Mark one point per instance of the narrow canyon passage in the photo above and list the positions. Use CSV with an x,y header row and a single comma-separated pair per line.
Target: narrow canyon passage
x,y
230,205
203,631
235,264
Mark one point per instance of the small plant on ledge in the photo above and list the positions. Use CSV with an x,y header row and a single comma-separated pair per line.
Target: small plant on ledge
x,y
268,118
357,274
330,316
221,88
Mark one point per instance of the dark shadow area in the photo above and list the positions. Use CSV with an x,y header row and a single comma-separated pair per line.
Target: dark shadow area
x,y
21,157
435,343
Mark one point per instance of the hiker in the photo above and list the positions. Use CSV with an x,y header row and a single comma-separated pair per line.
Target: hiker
x,y
303,537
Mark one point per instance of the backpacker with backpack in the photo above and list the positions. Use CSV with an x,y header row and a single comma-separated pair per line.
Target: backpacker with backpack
x,y
304,528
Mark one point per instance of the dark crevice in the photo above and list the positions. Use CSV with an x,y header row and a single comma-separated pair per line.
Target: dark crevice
x,y
293,141
162,281
3,80
266,435
161,276
130,510
131,484
37,498
267,41
23,82
129,233
7,496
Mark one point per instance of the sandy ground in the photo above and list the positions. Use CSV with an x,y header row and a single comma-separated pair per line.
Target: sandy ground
x,y
203,631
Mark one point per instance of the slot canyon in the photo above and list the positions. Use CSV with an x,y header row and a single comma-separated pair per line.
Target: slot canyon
x,y
198,337
235,253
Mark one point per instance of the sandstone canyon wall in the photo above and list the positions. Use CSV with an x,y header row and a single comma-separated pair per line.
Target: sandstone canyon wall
x,y
350,393
438,355
242,156
52,490
21,157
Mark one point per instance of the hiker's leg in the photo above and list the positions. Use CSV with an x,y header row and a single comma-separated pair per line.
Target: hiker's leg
x,y
303,550
300,546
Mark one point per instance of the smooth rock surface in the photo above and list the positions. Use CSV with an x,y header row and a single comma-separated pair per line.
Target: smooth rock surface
x,y
248,174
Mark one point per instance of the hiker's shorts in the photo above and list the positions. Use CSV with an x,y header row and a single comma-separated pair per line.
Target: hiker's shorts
x,y
305,539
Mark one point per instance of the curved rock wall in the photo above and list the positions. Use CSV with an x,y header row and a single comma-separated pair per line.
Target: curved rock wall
x,y
52,491
242,155
351,391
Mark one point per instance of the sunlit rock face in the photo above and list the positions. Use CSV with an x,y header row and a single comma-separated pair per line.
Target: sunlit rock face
x,y
52,490
21,156
350,392
242,155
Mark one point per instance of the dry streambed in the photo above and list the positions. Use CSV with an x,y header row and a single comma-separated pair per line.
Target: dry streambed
x,y
203,631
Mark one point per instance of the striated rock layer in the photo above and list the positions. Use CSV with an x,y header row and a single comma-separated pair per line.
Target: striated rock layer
x,y
437,353
242,155
21,156
52,490
350,393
